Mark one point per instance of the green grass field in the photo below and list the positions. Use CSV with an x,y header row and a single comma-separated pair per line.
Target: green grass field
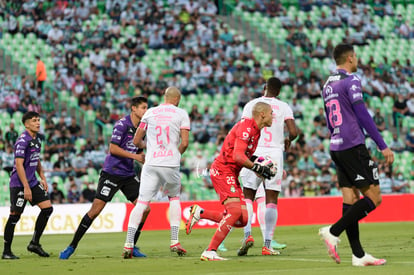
x,y
305,254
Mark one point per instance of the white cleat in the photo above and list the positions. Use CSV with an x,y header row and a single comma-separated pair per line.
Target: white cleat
x,y
127,253
331,243
193,219
211,256
367,260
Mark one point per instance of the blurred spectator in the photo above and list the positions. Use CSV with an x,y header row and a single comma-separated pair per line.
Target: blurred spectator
x,y
73,194
7,159
56,195
293,190
75,130
11,135
62,166
325,181
399,109
80,164
400,184
88,193
409,140
386,182
321,158
379,120
397,145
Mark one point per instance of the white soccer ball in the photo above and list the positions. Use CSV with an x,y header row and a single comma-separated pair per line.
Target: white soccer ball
x,y
267,161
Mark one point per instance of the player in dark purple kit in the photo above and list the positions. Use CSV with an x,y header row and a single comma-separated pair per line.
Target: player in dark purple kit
x,y
24,186
117,174
346,116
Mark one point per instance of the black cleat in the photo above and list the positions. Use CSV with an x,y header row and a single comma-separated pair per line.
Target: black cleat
x,y
9,256
37,248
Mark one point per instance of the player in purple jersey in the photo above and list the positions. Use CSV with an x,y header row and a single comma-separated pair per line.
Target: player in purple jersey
x,y
117,174
346,117
24,186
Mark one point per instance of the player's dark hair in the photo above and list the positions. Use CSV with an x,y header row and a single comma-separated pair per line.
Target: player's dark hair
x,y
341,51
137,100
273,86
29,115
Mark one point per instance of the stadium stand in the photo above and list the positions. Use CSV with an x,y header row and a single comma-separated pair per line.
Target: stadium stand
x,y
107,51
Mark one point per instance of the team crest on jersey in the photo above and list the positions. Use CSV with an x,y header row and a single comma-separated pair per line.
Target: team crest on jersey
x,y
232,189
245,136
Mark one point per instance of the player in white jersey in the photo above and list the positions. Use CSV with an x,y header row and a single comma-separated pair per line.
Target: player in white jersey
x,y
167,129
272,143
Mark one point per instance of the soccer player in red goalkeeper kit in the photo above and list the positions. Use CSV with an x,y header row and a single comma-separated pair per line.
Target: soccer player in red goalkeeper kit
x,y
236,153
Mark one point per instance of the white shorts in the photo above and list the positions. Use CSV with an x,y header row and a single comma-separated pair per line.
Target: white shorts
x,y
260,193
250,180
155,177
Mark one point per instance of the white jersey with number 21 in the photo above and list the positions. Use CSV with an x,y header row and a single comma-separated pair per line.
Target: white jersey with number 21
x,y
163,125
271,137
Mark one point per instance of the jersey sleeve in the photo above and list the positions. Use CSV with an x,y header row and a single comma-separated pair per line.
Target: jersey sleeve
x,y
247,110
20,148
185,122
355,91
118,132
241,142
288,112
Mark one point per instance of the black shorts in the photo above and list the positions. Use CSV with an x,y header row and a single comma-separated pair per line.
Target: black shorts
x,y
109,184
17,201
354,167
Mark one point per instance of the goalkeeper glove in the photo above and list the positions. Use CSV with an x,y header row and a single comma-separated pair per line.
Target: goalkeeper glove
x,y
263,171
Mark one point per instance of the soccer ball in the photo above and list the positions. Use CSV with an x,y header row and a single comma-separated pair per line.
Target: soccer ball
x,y
267,161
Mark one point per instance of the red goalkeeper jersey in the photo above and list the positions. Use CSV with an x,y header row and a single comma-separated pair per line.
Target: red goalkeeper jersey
x,y
238,146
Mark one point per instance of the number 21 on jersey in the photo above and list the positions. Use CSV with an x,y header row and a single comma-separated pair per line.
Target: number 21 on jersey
x,y
160,131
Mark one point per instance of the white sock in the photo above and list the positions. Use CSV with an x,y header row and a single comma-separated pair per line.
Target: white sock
x,y
175,218
261,210
248,227
135,219
270,220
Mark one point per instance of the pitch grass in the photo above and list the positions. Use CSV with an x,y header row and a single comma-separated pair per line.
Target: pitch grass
x,y
305,254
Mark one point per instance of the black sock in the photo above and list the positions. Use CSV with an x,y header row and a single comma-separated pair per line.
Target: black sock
x,y
41,223
9,232
136,237
352,231
82,228
357,211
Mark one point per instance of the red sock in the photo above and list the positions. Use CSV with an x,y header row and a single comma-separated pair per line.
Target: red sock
x,y
234,213
211,215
